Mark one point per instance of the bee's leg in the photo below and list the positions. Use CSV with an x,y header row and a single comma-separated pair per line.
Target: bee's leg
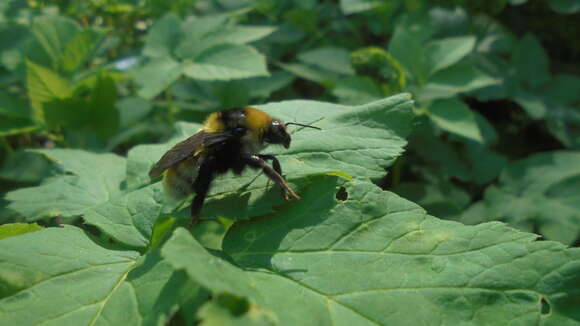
x,y
257,162
201,188
277,167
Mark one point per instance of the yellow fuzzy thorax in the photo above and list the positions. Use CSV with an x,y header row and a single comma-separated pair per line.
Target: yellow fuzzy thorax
x,y
255,120
213,123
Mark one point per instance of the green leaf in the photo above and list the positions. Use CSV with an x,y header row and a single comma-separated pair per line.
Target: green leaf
x,y
360,141
103,286
357,90
241,34
12,106
395,256
156,76
408,49
310,72
26,167
566,7
264,86
333,59
563,89
563,123
531,62
44,85
163,37
355,6
533,104
128,218
88,180
446,52
225,62
540,192
454,116
132,110
54,33
104,114
16,126
183,252
459,78
15,229
80,49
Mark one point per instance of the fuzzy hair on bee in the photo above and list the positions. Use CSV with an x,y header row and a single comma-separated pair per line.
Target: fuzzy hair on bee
x,y
230,140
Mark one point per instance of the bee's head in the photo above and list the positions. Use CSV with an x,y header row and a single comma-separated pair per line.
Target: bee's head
x,y
277,134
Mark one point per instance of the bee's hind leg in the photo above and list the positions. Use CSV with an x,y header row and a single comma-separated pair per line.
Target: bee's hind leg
x,y
201,188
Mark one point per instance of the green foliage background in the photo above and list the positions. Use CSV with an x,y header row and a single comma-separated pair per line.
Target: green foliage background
x,y
483,97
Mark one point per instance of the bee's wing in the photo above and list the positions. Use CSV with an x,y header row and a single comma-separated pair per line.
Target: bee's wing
x,y
190,147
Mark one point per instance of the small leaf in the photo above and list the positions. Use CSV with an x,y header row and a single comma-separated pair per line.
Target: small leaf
x,y
446,52
459,78
566,7
163,37
355,6
54,34
241,34
357,90
80,49
44,85
225,62
540,192
531,62
336,60
156,76
454,116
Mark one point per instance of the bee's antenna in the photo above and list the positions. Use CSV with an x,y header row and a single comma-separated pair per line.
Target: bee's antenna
x,y
302,125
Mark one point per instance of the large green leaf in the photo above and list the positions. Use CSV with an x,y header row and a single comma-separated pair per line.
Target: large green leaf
x,y
87,179
540,192
359,140
373,258
72,279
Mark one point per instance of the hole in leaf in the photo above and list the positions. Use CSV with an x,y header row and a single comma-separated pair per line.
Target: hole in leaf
x,y
236,305
545,309
341,194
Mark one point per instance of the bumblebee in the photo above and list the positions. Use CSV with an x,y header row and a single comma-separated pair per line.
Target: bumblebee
x,y
229,140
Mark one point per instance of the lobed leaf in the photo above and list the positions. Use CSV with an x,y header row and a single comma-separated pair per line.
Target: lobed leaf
x,y
103,286
88,179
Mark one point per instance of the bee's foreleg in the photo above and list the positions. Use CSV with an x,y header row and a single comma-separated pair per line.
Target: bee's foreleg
x,y
277,167
258,161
